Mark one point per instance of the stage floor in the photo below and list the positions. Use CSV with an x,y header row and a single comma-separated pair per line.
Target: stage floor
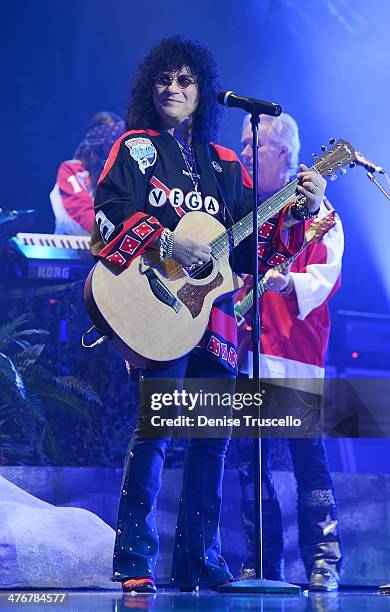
x,y
170,599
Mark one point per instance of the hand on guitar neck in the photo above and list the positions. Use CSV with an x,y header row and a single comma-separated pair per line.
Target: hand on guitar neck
x,y
311,185
310,190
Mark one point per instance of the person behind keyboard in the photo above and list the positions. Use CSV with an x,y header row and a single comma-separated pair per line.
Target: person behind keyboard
x,y
72,197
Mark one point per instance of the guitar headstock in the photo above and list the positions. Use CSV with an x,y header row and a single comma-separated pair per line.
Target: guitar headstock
x,y
331,160
318,229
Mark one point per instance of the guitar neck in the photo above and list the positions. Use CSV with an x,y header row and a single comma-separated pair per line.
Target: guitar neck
x,y
247,302
340,154
327,164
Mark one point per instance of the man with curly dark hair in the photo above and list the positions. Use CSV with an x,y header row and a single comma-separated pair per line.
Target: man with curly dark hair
x,y
172,55
163,168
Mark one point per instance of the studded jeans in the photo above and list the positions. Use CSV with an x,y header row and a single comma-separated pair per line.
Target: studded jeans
x,y
197,553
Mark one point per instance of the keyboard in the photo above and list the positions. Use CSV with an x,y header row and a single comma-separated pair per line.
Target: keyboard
x,y
46,258
55,240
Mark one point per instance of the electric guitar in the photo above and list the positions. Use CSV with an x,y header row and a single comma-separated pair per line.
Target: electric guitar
x,y
315,233
157,311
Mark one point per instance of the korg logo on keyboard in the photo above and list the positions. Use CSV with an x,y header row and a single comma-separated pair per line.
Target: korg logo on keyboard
x,y
53,272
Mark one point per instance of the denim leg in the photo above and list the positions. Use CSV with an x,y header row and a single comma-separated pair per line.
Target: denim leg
x,y
319,537
136,544
197,558
197,555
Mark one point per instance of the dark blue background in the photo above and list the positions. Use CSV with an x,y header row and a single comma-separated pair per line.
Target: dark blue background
x,y
326,62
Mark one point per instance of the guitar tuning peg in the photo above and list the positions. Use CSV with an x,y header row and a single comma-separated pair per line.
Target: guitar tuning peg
x,y
314,155
352,164
332,141
333,177
343,171
323,148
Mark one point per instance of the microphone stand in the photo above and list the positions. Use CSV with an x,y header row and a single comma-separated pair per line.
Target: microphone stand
x,y
377,183
260,584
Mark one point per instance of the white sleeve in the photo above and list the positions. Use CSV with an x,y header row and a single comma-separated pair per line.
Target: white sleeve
x,y
313,286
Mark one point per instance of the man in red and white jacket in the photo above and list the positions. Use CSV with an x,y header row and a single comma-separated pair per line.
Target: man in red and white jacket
x,y
295,326
295,312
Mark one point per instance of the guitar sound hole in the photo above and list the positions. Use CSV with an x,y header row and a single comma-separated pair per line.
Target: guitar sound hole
x,y
200,271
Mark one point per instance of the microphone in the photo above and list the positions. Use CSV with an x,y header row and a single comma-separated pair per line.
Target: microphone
x,y
360,159
250,105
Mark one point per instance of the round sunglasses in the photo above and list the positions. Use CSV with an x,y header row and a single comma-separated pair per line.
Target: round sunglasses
x,y
166,80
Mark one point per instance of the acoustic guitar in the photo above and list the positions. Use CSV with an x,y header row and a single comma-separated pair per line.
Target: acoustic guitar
x,y
157,311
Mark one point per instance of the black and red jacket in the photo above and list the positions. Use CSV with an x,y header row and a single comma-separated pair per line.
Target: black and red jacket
x,y
145,187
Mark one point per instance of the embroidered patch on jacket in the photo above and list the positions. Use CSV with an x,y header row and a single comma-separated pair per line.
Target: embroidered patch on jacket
x,y
142,150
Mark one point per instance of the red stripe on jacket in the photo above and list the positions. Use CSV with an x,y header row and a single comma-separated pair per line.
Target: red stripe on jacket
x,y
223,324
230,156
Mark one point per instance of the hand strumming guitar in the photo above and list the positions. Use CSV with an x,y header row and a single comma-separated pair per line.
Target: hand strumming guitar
x,y
187,251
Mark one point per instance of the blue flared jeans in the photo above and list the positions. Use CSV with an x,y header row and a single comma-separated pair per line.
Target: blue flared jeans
x,y
197,558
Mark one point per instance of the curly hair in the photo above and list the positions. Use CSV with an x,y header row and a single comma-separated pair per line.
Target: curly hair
x,y
169,55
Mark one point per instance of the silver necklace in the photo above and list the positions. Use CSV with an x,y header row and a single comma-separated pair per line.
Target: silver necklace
x,y
189,160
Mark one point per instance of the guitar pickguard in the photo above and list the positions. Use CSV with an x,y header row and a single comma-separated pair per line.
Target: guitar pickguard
x,y
193,296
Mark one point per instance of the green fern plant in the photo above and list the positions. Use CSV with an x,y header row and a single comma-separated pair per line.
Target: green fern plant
x,y
30,393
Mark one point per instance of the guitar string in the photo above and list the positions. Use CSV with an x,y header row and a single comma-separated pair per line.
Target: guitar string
x,y
263,215
243,228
